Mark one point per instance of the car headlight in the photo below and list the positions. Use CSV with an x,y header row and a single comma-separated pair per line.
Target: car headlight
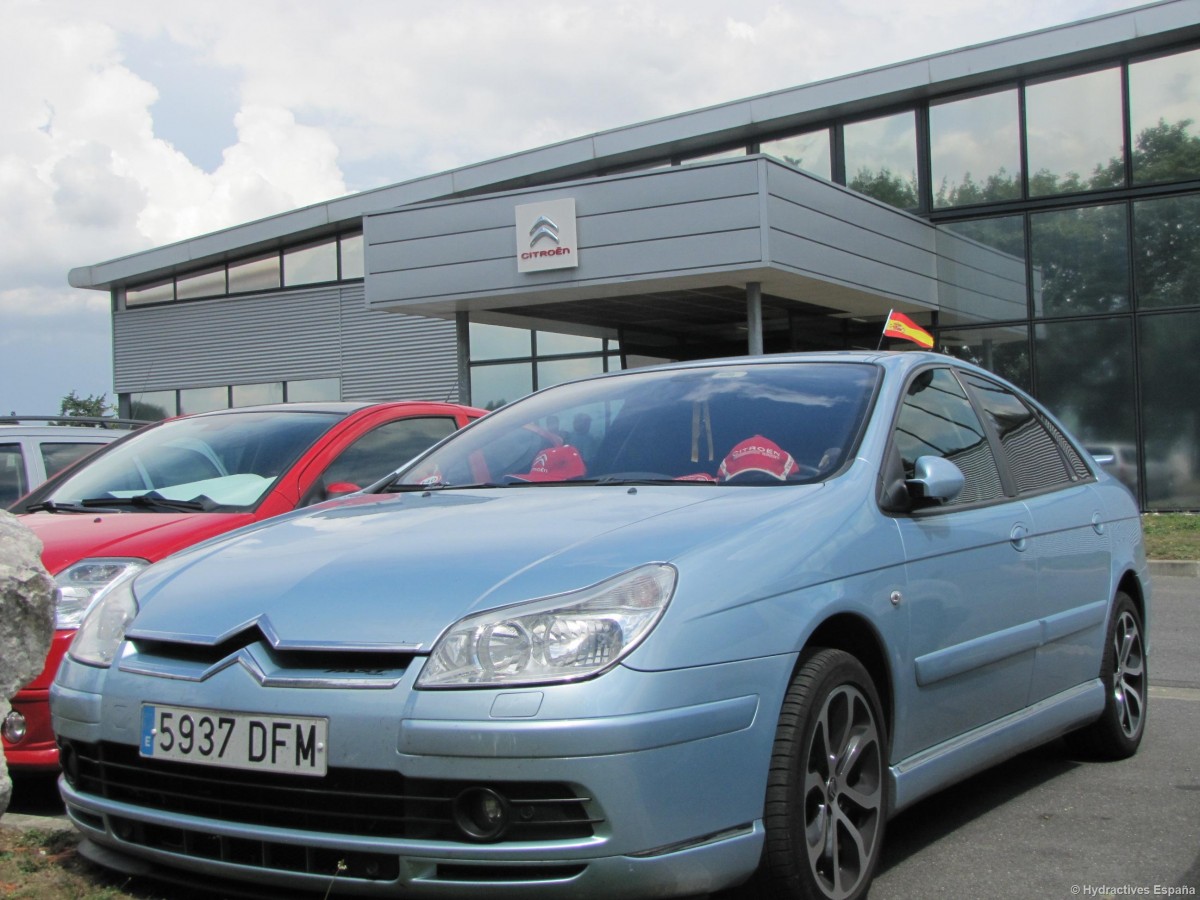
x,y
78,585
103,626
562,638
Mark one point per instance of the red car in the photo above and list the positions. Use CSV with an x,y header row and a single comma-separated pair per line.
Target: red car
x,y
184,480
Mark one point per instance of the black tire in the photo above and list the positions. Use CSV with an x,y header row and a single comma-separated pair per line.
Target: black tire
x,y
1118,732
830,754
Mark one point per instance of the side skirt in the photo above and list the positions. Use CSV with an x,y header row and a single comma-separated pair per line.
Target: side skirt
x,y
938,767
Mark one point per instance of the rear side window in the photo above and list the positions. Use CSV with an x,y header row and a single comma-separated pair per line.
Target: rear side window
x,y
937,419
13,483
1032,454
1074,461
58,456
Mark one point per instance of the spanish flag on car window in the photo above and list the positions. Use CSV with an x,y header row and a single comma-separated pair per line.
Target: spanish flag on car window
x,y
901,326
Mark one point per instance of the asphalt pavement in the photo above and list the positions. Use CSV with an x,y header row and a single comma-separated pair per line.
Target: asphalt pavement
x,y
1042,825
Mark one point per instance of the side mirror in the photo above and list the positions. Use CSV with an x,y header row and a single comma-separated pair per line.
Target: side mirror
x,y
340,489
935,481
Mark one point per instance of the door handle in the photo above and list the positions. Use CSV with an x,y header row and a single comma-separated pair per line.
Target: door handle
x,y
1018,536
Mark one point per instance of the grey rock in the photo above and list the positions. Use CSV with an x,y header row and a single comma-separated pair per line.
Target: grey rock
x,y
27,596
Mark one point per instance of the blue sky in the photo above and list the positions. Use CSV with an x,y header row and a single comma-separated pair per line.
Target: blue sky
x,y
127,124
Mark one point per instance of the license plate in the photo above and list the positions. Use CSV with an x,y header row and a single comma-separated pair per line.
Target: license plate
x,y
293,744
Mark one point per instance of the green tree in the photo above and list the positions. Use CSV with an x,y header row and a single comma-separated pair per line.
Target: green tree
x,y
74,406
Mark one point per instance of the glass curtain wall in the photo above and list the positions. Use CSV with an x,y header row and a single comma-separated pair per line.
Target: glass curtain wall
x,y
508,363
1069,230
318,262
154,405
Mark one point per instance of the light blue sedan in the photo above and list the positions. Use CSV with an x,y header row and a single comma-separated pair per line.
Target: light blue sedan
x,y
655,633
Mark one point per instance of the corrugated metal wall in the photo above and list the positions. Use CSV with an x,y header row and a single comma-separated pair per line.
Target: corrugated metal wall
x,y
391,356
320,333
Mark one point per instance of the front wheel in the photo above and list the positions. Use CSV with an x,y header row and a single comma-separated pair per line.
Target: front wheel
x,y
1118,731
827,789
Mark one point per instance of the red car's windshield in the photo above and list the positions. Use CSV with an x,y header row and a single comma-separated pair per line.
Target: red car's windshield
x,y
223,461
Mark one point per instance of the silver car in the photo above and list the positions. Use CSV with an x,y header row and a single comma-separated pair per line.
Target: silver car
x,y
717,634
29,454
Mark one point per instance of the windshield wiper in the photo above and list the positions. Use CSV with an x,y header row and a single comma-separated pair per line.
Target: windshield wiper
x,y
53,506
397,488
648,479
617,480
150,501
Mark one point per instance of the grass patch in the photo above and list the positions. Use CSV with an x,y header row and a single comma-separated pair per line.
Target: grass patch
x,y
37,864
1172,535
44,865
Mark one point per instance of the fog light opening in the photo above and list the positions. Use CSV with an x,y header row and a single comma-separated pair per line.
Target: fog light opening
x,y
69,762
482,814
14,728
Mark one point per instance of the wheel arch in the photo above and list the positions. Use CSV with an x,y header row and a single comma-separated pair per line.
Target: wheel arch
x,y
1138,592
856,636
1132,585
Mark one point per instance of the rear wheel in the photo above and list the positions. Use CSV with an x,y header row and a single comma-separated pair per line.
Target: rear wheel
x,y
827,788
1118,731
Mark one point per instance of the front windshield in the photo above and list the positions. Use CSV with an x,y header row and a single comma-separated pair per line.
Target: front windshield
x,y
219,461
753,423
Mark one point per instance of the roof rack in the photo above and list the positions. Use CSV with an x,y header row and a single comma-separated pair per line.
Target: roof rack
x,y
61,419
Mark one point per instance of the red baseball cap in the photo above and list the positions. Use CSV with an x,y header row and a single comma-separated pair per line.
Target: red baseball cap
x,y
757,454
555,464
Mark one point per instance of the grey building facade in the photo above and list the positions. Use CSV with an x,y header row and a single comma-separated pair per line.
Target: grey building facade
x,y
1034,202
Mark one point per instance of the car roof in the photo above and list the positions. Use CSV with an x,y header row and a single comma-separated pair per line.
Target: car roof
x,y
342,407
898,360
60,431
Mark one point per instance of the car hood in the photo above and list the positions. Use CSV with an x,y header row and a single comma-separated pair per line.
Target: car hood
x,y
396,571
69,537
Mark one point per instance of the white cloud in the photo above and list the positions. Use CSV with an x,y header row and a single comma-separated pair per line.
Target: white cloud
x,y
276,165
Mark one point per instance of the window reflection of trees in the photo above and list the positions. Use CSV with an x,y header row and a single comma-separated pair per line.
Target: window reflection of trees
x,y
1163,152
887,186
1081,262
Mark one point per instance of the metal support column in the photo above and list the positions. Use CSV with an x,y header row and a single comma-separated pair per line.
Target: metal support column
x,y
462,342
754,326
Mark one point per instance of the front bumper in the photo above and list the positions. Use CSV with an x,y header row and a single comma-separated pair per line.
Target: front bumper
x,y
671,768
37,751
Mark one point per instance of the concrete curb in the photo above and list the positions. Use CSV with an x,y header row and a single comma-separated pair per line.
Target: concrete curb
x,y
1174,568
45,823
